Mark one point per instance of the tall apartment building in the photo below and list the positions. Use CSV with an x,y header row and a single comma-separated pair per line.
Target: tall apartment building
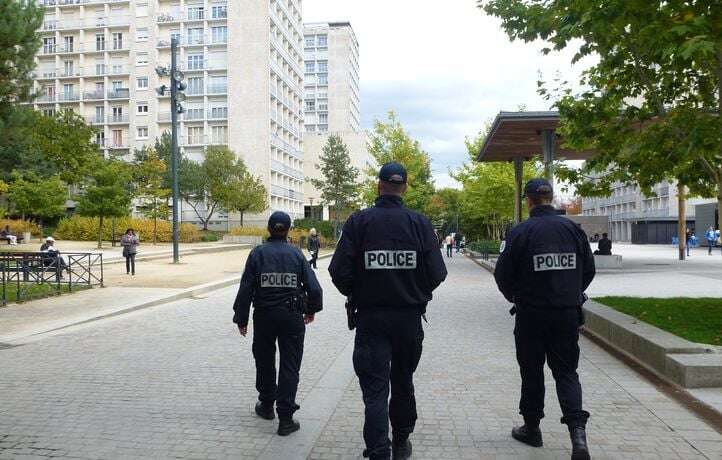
x,y
242,62
637,218
332,101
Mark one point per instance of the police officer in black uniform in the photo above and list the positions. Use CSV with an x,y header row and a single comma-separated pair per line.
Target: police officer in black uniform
x,y
388,262
286,295
544,269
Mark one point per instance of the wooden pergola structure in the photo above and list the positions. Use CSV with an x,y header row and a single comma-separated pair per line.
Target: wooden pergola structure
x,y
520,136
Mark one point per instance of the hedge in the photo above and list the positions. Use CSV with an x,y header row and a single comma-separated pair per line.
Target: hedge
x,y
18,227
492,247
297,235
323,227
80,228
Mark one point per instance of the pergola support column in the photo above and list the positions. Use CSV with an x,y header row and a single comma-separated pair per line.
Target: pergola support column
x,y
548,144
518,177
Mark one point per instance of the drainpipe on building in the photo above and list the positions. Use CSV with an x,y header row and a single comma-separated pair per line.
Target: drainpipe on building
x,y
682,219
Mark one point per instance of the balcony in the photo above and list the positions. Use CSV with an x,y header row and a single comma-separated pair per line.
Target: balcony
x,y
69,97
163,117
284,192
70,73
69,49
199,140
218,113
100,70
217,89
46,98
94,95
117,145
218,13
287,170
194,115
168,18
119,70
47,3
118,119
95,120
49,25
197,15
120,93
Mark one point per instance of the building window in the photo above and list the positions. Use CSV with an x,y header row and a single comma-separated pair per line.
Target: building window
x,y
323,66
141,59
117,40
310,106
142,82
141,10
310,41
99,42
195,62
322,41
310,128
195,135
219,11
310,67
194,35
68,44
219,112
322,128
323,105
219,134
219,34
117,137
142,108
48,45
323,118
142,132
323,79
195,12
141,34
195,85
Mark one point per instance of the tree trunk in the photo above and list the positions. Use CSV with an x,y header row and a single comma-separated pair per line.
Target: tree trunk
x,y
112,231
241,218
100,233
155,221
682,219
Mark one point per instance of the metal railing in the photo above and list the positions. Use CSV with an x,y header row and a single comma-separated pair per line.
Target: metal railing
x,y
25,271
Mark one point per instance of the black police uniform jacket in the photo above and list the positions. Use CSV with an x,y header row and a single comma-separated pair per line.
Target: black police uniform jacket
x,y
274,273
387,256
547,262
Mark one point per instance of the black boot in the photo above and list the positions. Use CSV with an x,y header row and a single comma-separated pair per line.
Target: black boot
x,y
528,435
287,425
580,451
401,450
265,411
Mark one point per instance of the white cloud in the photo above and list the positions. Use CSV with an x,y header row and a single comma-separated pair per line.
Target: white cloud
x,y
445,67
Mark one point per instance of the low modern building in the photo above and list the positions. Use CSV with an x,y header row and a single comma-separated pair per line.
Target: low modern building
x,y
242,61
636,218
331,102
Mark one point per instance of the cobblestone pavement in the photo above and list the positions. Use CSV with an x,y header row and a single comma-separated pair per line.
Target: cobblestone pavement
x,y
176,381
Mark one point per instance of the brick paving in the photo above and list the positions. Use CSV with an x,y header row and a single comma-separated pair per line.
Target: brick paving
x,y
176,381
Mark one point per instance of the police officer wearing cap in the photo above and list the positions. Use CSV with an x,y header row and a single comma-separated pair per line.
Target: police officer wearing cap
x,y
544,269
388,263
285,295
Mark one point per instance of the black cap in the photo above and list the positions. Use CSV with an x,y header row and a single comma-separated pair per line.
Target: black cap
x,y
538,187
279,222
393,172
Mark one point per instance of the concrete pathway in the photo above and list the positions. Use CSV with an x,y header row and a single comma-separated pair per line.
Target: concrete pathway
x,y
177,381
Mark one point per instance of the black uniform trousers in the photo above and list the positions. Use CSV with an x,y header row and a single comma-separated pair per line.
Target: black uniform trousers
x,y
551,335
387,348
314,259
280,324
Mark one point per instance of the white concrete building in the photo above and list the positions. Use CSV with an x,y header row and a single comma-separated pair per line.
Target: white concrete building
x,y
332,101
636,218
242,62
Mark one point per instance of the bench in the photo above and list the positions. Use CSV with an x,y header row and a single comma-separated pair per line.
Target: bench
x,y
19,238
608,262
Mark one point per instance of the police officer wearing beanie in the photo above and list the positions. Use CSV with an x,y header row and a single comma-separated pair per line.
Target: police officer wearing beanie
x,y
388,262
285,295
544,269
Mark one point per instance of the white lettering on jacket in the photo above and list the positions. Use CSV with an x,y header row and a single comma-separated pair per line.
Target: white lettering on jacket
x,y
563,261
390,260
279,280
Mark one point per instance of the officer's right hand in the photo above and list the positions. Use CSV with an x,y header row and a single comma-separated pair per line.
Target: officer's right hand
x,y
243,330
308,319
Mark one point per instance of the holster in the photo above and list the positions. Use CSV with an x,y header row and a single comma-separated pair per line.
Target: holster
x,y
299,302
350,314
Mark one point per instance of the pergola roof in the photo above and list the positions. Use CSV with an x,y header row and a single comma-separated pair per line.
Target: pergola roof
x,y
519,134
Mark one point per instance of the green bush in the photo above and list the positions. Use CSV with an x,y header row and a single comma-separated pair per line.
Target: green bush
x,y
492,247
323,227
86,229
209,236
17,227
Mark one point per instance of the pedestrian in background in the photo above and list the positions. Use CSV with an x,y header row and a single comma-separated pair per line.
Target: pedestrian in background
x,y
544,270
387,264
286,296
688,240
314,245
711,236
449,246
130,243
458,238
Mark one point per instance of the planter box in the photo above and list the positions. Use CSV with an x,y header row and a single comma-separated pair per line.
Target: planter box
x,y
243,239
608,262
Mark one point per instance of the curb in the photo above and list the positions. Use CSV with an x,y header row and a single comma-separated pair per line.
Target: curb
x,y
187,252
180,295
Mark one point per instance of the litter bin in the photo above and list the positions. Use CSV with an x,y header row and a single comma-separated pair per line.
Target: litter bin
x,y
26,237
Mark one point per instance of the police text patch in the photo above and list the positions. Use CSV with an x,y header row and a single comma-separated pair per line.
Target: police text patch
x,y
563,261
279,280
390,260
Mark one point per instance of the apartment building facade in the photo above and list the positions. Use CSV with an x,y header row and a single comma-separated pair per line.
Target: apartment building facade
x,y
637,218
332,102
242,61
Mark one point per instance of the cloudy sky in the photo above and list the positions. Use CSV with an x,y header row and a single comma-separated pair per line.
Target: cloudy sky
x,y
443,65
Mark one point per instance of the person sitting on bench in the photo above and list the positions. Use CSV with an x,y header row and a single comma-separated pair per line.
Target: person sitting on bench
x,y
604,247
52,255
7,234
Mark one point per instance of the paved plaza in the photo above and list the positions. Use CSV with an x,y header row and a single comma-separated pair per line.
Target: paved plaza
x,y
177,381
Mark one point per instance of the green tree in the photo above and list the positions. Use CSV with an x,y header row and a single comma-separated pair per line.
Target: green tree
x,y
245,192
390,142
3,190
651,107
19,23
214,183
107,192
444,210
149,177
40,198
338,184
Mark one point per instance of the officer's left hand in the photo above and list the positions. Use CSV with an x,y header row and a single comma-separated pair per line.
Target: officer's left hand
x,y
243,330
308,319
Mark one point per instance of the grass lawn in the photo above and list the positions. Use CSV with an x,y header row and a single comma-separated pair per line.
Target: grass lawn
x,y
31,291
695,319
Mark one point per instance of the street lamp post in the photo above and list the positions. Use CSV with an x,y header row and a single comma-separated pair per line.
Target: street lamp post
x,y
176,96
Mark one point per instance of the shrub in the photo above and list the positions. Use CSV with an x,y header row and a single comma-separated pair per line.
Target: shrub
x,y
323,227
298,236
86,229
18,227
209,236
492,247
